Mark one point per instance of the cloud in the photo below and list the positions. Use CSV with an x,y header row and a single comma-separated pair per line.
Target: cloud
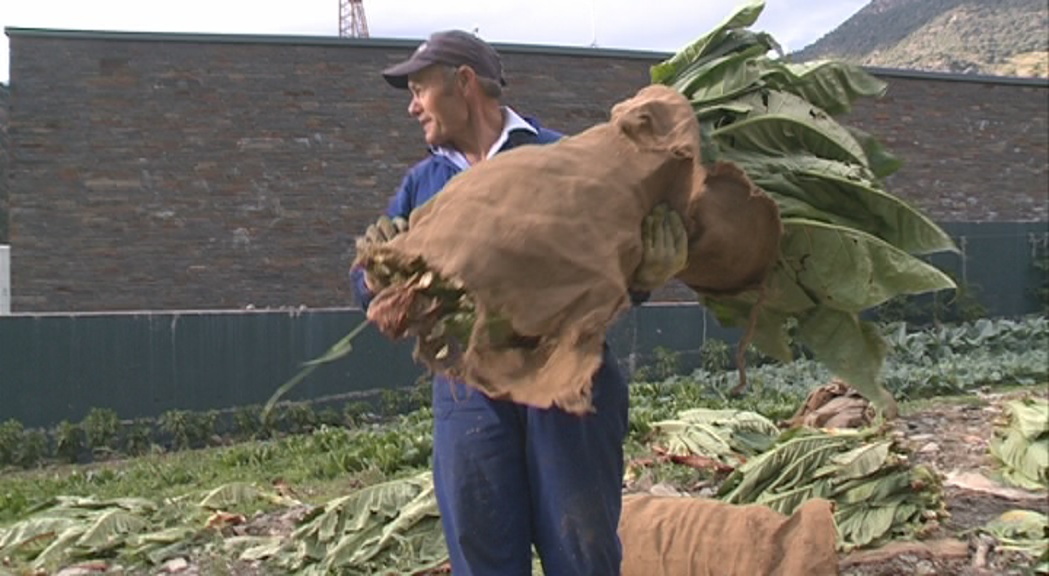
x,y
662,25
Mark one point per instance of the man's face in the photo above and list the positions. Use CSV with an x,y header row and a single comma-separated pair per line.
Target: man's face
x,y
438,104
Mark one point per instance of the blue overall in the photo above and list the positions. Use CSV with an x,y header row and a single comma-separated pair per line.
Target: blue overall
x,y
506,475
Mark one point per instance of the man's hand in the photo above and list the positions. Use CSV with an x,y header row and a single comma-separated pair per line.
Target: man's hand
x,y
382,231
665,243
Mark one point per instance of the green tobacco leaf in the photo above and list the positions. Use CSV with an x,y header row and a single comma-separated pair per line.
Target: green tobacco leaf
x,y
849,270
337,350
1025,531
781,123
720,79
1015,478
728,432
807,187
698,438
711,114
860,525
745,16
749,481
857,490
52,557
1030,416
414,540
905,513
408,541
33,534
848,204
787,502
388,527
230,495
850,348
832,85
252,548
788,162
735,420
882,162
801,469
862,461
1025,462
770,334
80,505
784,298
111,527
163,536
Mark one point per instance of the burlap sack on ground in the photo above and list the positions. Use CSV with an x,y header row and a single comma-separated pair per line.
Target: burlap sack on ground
x,y
834,405
676,536
549,237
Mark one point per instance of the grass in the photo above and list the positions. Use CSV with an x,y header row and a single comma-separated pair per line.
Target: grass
x,y
332,461
318,466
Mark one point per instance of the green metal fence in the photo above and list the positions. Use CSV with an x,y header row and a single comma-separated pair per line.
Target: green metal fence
x,y
58,366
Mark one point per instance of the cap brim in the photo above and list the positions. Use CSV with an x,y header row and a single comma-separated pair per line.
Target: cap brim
x,y
397,75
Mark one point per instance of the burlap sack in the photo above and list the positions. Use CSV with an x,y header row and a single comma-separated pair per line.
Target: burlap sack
x,y
675,536
734,231
834,405
549,237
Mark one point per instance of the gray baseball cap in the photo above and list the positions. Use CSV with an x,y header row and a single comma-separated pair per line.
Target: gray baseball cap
x,y
451,47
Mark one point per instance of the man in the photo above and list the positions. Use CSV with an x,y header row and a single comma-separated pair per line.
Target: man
x,y
508,476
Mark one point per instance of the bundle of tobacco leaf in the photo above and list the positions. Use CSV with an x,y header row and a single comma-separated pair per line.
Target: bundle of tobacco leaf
x,y
510,277
879,494
1021,443
420,303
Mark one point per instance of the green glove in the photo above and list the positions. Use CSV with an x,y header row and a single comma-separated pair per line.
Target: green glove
x,y
665,243
385,229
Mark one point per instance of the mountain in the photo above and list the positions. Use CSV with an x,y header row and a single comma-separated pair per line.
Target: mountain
x,y
993,37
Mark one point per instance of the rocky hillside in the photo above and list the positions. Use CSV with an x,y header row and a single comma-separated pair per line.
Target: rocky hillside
x,y
995,37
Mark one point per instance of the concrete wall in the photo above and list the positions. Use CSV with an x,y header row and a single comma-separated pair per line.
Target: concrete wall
x,y
201,172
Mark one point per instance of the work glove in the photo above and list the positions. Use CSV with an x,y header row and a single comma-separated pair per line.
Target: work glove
x,y
382,231
665,244
385,229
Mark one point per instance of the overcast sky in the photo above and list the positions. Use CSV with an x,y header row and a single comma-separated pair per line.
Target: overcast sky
x,y
662,25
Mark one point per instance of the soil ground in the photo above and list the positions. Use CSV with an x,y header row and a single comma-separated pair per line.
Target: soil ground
x,y
953,437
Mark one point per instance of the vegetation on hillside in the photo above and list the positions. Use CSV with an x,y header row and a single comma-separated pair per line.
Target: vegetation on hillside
x,y
1004,38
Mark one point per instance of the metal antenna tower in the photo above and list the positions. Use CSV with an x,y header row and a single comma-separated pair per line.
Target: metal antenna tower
x,y
352,22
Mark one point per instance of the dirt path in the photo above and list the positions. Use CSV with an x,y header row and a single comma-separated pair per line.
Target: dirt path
x,y
953,438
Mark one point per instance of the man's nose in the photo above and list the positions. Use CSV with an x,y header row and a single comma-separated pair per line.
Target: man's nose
x,y
414,108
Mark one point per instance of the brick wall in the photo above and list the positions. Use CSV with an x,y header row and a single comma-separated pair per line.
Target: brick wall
x,y
4,97
181,172
973,151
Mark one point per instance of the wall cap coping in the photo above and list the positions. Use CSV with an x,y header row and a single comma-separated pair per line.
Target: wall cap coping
x,y
409,44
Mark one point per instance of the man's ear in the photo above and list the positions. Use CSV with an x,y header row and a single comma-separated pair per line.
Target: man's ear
x,y
464,76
